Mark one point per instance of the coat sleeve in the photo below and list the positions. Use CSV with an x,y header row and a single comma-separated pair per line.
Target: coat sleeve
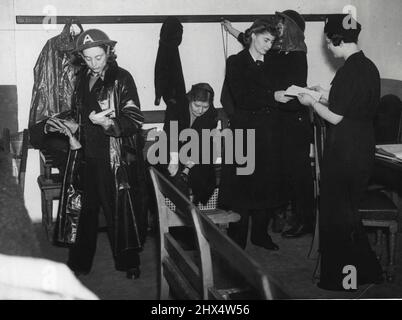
x,y
39,103
161,74
129,119
241,38
243,92
296,75
37,134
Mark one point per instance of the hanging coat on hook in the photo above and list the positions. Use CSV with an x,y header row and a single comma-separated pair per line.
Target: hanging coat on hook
x,y
169,80
54,77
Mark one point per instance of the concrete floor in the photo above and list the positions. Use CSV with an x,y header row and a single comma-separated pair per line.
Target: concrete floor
x,y
290,266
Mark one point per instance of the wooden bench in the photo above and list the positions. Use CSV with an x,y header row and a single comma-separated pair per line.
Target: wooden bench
x,y
216,267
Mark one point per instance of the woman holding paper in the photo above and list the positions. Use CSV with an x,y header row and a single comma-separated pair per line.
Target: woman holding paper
x,y
288,67
349,107
251,87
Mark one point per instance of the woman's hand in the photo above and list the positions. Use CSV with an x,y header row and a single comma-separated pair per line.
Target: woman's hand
x,y
102,118
54,125
74,143
281,97
306,100
324,93
229,28
65,127
71,124
173,166
226,24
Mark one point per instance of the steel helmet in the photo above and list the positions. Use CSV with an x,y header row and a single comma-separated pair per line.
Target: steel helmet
x,y
293,16
92,38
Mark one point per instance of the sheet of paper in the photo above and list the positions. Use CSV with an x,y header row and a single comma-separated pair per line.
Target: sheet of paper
x,y
295,90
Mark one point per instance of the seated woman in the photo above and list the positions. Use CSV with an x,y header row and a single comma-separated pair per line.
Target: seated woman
x,y
196,111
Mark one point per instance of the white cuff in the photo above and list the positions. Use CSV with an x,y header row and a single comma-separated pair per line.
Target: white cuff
x,y
174,157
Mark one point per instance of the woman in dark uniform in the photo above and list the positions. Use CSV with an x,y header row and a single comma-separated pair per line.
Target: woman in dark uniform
x,y
251,88
109,168
288,66
196,111
349,107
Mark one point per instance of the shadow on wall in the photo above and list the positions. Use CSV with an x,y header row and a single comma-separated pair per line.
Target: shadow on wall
x,y
8,108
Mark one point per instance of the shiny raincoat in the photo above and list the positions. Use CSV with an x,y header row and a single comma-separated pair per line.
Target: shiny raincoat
x,y
126,161
54,78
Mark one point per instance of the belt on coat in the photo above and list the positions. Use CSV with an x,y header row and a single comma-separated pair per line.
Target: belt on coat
x,y
261,111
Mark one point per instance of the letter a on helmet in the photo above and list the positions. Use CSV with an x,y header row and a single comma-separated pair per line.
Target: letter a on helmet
x,y
87,39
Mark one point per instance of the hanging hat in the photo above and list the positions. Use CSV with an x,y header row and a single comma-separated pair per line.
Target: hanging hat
x,y
92,38
293,16
342,24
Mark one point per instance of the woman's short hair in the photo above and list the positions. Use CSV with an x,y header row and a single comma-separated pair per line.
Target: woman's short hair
x,y
336,39
342,27
261,26
77,58
112,54
201,92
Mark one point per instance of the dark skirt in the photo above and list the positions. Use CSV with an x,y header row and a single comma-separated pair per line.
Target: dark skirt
x,y
347,166
263,188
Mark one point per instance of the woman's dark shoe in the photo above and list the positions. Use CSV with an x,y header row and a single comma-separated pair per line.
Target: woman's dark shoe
x,y
133,273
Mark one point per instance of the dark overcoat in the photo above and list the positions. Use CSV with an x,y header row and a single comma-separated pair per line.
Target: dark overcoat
x,y
251,87
125,157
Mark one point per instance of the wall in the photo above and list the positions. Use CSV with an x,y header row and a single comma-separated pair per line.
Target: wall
x,y
8,89
201,50
381,36
7,40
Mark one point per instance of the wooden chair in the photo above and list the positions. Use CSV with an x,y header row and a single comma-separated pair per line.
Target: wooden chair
x,y
50,186
17,145
188,274
377,210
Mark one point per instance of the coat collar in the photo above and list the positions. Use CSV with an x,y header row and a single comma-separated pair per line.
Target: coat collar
x,y
110,74
247,57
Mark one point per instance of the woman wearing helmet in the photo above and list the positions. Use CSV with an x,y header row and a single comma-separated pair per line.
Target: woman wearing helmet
x,y
110,169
